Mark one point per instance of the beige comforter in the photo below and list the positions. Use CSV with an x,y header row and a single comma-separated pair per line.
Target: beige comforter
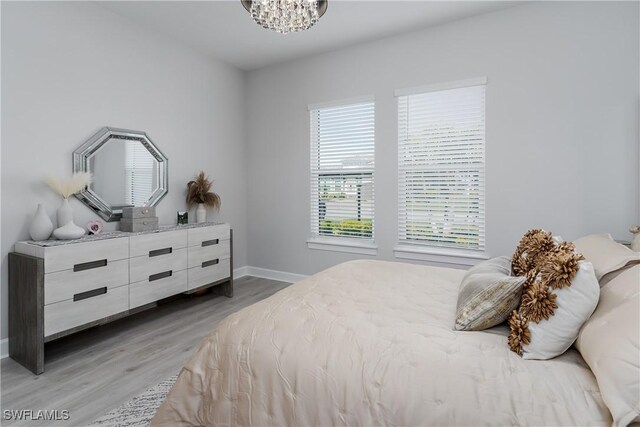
x,y
372,343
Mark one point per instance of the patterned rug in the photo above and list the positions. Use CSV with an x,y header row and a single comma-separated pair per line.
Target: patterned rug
x,y
138,411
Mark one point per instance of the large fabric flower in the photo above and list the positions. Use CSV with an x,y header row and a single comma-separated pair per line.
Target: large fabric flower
x,y
538,302
520,334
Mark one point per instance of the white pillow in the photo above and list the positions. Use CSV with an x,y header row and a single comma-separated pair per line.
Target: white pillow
x,y
552,337
610,341
604,253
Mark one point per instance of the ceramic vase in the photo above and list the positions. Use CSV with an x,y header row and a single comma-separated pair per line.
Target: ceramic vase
x,y
41,226
635,243
201,214
68,232
65,213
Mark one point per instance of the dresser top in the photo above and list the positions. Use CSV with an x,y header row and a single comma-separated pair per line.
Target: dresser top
x,y
116,234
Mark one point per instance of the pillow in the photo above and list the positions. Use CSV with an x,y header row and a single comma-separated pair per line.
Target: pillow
x,y
488,294
609,343
559,295
605,254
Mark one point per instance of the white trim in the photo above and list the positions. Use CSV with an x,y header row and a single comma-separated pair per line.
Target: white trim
x,y
240,272
439,255
351,246
4,348
340,102
282,276
442,86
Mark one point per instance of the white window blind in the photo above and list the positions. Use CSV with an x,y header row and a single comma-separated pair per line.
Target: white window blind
x,y
342,168
139,170
441,145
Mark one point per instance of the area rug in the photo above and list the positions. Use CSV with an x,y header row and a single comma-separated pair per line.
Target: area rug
x,y
138,411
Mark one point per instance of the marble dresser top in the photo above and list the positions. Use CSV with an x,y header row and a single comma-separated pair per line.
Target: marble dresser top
x,y
116,234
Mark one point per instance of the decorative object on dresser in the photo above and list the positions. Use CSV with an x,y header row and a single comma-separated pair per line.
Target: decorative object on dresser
x,y
95,227
97,279
68,232
41,226
198,194
138,219
635,242
66,188
183,217
128,170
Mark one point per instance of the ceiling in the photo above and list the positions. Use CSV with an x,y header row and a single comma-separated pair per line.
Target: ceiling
x,y
225,30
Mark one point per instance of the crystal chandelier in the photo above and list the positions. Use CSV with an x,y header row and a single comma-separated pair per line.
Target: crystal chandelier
x,y
285,16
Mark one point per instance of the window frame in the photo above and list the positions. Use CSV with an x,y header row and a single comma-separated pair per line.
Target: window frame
x,y
317,241
424,250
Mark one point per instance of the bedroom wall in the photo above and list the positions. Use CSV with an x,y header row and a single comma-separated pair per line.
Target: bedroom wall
x,y
561,128
70,68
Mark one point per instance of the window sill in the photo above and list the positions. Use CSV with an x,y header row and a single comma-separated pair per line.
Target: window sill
x,y
342,245
440,255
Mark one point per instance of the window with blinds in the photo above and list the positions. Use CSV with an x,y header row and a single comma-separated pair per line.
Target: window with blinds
x,y
441,146
342,169
139,171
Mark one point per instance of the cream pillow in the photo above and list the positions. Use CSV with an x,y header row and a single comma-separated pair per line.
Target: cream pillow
x,y
605,254
610,344
560,293
575,303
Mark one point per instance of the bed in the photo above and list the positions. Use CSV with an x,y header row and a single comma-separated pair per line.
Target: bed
x,y
372,343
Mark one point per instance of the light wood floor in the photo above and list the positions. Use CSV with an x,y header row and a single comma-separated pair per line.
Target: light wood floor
x,y
96,370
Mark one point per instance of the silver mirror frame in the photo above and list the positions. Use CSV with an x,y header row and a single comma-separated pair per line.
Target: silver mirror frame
x,y
81,164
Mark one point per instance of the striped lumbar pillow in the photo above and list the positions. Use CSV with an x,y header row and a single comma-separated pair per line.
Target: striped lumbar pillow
x,y
487,295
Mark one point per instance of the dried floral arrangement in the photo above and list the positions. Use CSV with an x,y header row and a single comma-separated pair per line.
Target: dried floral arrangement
x,y
198,191
70,186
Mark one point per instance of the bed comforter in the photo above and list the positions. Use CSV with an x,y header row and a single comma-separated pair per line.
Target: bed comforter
x,y
372,343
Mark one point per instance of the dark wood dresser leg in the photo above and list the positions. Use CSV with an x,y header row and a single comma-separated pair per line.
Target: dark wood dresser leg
x,y
26,311
226,288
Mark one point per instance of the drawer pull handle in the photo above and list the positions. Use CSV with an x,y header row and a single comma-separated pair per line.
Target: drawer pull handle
x,y
210,263
90,294
89,265
210,242
162,275
159,252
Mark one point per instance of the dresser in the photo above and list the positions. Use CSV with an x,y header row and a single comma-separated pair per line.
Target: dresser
x,y
57,288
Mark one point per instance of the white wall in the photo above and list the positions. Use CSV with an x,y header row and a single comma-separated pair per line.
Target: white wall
x,y
70,68
561,130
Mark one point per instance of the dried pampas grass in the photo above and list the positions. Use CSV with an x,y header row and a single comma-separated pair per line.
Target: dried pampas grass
x,y
198,192
70,186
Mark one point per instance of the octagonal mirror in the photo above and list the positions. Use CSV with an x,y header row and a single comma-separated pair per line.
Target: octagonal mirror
x,y
127,169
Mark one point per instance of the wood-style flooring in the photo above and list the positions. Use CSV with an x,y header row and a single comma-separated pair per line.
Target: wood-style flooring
x,y
94,371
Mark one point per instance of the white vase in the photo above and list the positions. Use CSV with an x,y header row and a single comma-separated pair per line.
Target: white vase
x,y
65,213
41,226
201,214
68,232
635,243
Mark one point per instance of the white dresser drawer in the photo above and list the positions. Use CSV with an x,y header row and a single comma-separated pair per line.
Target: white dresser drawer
x,y
145,292
80,256
204,236
200,276
63,285
140,268
200,254
145,243
68,314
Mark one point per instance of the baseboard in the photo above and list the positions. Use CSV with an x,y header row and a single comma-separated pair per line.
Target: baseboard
x,y
247,270
240,272
266,273
4,348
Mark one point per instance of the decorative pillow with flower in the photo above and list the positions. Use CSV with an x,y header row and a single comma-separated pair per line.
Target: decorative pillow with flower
x,y
560,294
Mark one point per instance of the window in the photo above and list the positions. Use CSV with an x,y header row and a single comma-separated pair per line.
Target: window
x,y
441,139
139,170
342,170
